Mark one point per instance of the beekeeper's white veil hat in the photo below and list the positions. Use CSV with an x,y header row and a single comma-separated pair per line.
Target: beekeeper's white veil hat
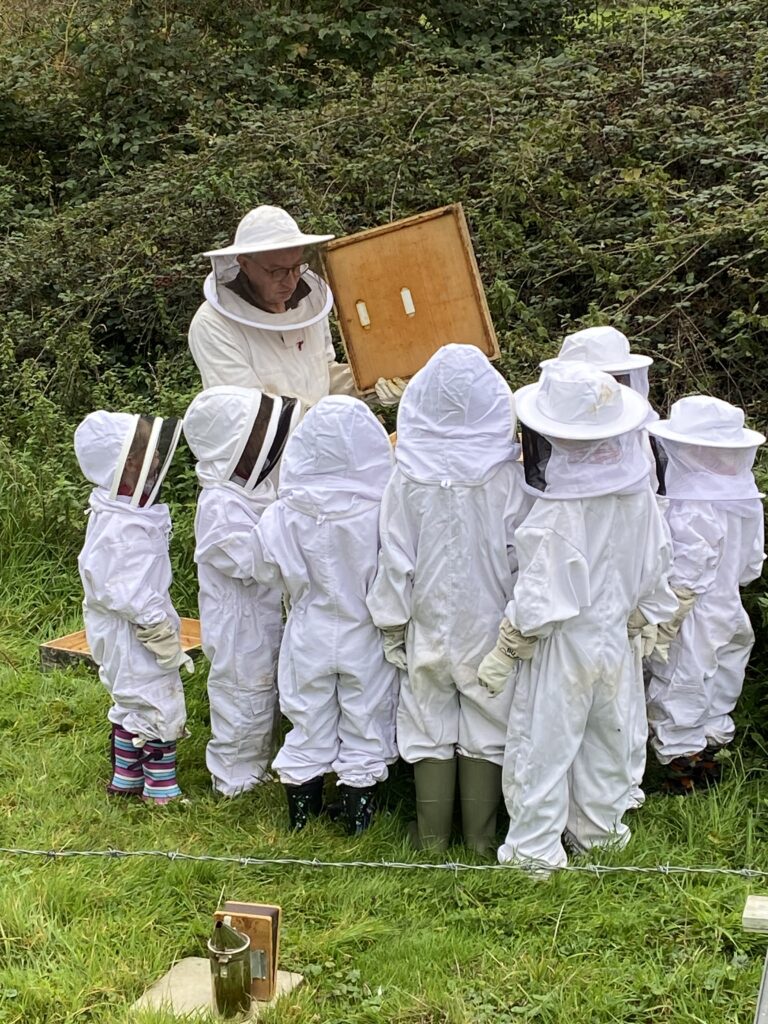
x,y
574,400
266,229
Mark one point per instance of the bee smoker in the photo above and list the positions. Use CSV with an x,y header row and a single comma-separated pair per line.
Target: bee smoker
x,y
229,953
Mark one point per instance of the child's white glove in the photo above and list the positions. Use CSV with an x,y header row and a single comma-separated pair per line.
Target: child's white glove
x,y
667,631
496,667
638,625
394,646
389,391
162,640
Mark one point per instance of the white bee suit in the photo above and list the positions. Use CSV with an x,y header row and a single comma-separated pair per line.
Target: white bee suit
x,y
718,547
126,573
320,541
235,342
592,549
241,620
447,563
293,361
241,626
715,516
607,349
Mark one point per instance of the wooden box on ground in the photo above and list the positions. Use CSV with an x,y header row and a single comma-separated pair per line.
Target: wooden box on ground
x,y
261,923
73,648
405,289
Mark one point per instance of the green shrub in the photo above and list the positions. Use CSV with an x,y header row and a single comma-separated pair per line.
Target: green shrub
x,y
622,179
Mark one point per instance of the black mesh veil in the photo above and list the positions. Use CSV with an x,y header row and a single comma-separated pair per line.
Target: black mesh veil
x,y
146,458
275,419
536,453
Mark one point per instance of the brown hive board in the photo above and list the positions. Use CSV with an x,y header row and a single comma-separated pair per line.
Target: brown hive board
x,y
405,289
261,923
66,651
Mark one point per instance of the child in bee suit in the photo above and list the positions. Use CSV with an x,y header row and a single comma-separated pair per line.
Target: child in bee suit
x,y
320,541
607,349
237,435
592,554
131,625
446,572
715,517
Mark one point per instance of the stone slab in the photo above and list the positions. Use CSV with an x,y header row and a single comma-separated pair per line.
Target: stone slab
x,y
755,916
185,991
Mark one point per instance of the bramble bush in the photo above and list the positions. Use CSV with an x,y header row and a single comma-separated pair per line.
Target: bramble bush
x,y
621,177
92,90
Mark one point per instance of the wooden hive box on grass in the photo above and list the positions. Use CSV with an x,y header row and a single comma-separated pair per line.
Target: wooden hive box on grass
x,y
405,289
66,651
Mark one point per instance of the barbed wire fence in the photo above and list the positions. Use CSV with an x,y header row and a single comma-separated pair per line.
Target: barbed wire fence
x,y
532,868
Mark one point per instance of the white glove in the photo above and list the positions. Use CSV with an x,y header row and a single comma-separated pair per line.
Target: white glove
x,y
394,646
494,672
669,630
162,640
512,644
648,639
638,625
661,652
496,667
389,391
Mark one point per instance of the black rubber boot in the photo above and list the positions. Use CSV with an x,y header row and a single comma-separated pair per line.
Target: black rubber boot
x,y
681,776
359,807
706,773
480,793
304,802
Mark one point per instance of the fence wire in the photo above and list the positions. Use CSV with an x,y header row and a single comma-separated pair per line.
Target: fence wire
x,y
532,868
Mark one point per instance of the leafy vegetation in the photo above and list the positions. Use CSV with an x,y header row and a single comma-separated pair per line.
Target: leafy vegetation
x,y
612,164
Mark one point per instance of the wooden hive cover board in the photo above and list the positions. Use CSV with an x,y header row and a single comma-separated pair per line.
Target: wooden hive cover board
x,y
261,923
69,649
430,255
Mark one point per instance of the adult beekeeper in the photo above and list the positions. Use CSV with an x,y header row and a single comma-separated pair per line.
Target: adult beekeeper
x,y
264,321
592,555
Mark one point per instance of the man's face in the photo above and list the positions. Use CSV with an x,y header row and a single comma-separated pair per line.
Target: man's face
x,y
273,275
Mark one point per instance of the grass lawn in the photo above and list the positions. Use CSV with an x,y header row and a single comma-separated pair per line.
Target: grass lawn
x,y
81,938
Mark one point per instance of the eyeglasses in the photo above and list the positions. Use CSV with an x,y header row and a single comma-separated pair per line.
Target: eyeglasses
x,y
281,274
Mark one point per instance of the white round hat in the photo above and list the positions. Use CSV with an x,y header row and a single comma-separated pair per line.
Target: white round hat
x,y
575,400
707,421
603,347
265,229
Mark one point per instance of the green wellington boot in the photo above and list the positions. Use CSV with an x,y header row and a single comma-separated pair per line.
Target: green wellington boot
x,y
435,789
480,793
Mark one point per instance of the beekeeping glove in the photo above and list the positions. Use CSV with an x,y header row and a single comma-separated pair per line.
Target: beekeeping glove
x,y
638,625
498,664
162,640
394,646
389,391
667,631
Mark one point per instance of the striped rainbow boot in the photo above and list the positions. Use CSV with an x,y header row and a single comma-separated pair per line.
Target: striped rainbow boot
x,y
159,765
127,775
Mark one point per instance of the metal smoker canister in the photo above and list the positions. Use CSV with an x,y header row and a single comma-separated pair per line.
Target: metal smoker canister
x,y
229,953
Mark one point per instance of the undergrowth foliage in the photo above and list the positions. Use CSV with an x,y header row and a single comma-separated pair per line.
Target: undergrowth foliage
x,y
622,177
